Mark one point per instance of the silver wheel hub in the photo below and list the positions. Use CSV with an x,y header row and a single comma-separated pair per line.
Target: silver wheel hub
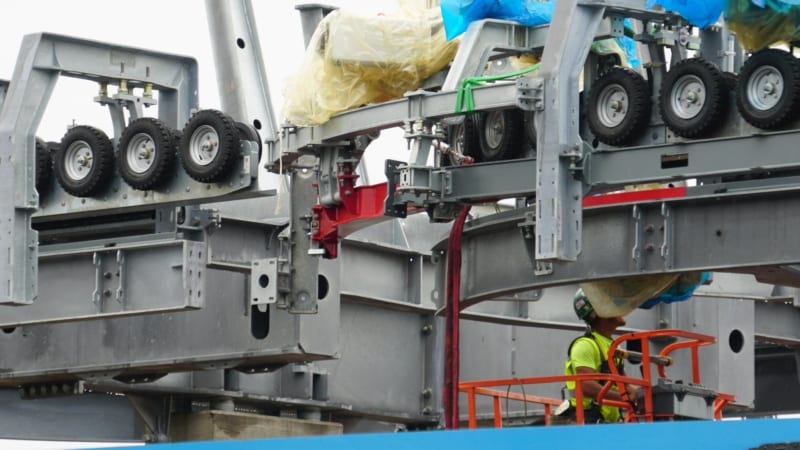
x,y
78,160
765,88
495,128
140,153
204,145
612,105
688,96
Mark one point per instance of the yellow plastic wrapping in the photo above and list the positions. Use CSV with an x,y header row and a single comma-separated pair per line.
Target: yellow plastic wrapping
x,y
619,297
758,28
353,60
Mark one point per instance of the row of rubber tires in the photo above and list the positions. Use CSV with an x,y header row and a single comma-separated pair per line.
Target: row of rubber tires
x,y
694,97
694,103
146,152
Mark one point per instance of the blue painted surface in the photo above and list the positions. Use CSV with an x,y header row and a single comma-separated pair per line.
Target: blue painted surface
x,y
705,435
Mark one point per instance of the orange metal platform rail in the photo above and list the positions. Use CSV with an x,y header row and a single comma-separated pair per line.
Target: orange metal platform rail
x,y
684,340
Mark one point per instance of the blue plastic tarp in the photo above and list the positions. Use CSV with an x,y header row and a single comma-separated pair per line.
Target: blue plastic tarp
x,y
459,14
700,13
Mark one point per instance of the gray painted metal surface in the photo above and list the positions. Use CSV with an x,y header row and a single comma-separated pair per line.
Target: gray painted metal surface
x,y
100,282
559,147
709,231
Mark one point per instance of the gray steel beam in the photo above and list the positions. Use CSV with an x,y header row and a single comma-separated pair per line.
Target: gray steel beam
x,y
87,417
699,234
128,279
760,153
416,105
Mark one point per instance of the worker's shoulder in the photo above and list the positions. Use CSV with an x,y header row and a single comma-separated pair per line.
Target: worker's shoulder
x,y
583,343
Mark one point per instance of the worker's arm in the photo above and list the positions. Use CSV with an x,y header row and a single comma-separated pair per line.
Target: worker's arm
x,y
592,387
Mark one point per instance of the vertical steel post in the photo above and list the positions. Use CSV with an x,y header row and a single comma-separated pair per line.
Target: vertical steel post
x,y
558,191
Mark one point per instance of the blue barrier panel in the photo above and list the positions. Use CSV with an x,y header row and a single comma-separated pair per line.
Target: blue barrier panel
x,y
705,435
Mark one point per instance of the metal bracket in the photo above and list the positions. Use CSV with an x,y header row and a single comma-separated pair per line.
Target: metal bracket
x,y
97,294
617,25
530,94
199,219
393,207
637,253
264,281
120,293
667,252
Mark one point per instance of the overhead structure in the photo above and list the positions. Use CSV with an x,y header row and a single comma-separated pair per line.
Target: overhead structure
x,y
160,264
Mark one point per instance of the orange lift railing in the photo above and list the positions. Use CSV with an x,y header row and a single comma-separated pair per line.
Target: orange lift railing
x,y
682,340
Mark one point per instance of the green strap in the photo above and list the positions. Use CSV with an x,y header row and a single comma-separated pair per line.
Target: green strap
x,y
464,98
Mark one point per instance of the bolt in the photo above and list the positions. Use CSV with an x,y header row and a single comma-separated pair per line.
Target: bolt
x,y
649,228
427,393
649,248
427,329
107,292
106,275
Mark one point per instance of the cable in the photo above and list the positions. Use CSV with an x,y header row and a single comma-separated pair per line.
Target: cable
x,y
464,98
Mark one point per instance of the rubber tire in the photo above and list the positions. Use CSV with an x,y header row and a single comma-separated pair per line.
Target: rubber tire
x,y
529,128
511,141
102,165
249,133
227,153
787,107
465,135
716,102
163,162
639,106
44,166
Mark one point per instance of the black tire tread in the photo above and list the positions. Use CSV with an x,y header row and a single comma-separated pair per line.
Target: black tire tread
x,y
715,108
638,117
512,142
469,131
786,110
228,150
166,146
102,166
44,166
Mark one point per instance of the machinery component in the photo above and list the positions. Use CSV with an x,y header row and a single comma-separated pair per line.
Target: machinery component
x,y
619,106
209,145
768,92
84,162
146,153
463,138
693,98
44,166
529,127
249,133
500,134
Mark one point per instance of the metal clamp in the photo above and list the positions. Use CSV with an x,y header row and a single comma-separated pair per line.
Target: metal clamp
x,y
666,246
120,293
530,94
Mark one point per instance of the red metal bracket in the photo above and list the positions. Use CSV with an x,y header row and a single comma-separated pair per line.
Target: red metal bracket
x,y
363,206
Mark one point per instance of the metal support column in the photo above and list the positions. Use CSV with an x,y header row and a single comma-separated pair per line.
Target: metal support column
x,y
555,98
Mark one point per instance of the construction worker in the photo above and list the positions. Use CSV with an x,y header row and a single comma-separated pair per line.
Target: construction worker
x,y
588,354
